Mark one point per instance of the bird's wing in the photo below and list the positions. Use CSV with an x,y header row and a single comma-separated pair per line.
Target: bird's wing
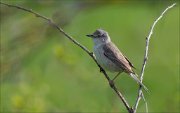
x,y
129,62
113,54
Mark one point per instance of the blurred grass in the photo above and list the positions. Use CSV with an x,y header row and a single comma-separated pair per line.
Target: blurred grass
x,y
43,71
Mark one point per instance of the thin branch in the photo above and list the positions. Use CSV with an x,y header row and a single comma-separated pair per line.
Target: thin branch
x,y
145,102
146,54
111,83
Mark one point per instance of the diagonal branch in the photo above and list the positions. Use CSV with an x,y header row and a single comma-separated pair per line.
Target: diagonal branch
x,y
111,83
140,94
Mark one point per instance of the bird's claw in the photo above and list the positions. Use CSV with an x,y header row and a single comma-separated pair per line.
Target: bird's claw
x,y
101,70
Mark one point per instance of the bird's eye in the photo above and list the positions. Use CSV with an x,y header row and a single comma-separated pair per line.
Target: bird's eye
x,y
103,35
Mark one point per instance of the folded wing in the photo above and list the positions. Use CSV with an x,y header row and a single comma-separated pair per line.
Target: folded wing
x,y
114,54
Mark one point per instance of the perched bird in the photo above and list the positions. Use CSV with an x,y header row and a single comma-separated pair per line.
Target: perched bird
x,y
110,57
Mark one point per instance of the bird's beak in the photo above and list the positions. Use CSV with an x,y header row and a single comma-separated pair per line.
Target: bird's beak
x,y
90,35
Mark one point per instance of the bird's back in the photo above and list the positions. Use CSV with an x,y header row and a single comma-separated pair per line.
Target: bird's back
x,y
115,55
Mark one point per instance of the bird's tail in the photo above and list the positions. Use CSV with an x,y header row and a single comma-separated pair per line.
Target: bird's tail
x,y
134,76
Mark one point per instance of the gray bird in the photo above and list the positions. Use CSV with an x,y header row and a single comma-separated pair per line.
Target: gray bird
x,y
110,57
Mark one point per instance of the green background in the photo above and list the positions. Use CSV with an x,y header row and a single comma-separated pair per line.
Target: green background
x,y
42,71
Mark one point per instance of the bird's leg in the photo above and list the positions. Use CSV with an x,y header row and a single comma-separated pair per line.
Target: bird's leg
x,y
116,76
111,82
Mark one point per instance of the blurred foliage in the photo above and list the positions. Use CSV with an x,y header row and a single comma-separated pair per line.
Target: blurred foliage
x,y
42,71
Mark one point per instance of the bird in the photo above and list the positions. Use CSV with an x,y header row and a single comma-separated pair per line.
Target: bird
x,y
110,58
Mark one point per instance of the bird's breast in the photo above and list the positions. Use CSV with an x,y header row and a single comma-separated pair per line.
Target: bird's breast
x,y
103,60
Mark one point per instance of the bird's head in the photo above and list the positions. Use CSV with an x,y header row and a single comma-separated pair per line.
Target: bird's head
x,y
100,37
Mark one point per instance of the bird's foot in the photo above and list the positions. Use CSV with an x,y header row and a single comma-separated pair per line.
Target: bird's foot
x,y
101,69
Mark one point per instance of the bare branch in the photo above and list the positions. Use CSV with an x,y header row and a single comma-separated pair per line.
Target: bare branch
x,y
146,54
111,83
145,102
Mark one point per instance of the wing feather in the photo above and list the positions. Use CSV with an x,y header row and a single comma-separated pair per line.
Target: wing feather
x,y
114,54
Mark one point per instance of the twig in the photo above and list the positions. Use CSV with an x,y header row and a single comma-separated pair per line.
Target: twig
x,y
145,102
111,83
146,55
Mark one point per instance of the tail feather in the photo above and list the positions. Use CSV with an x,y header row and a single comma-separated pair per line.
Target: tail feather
x,y
138,81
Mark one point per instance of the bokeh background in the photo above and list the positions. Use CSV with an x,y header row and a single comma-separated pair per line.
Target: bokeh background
x,y
42,71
